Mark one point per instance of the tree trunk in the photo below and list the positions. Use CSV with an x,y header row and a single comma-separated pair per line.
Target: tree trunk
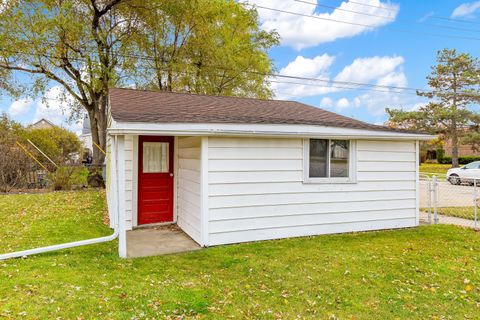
x,y
454,125
98,126
455,149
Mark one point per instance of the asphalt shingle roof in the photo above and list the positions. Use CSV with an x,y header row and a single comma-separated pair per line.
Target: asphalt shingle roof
x,y
130,105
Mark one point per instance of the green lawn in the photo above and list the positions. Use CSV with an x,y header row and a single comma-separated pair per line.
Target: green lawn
x,y
460,212
430,272
440,169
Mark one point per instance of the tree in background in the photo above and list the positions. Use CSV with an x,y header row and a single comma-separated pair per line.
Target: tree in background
x,y
472,137
72,44
455,83
14,163
18,170
205,46
57,143
89,46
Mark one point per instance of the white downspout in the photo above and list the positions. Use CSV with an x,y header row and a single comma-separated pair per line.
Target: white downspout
x,y
24,253
116,233
120,182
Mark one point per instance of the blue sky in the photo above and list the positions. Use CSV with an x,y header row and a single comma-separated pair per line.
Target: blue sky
x,y
394,51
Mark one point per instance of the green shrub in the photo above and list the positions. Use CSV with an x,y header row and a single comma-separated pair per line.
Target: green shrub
x,y
440,154
79,177
461,160
57,143
468,159
68,177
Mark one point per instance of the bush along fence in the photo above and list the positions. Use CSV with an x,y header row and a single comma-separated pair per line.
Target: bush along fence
x,y
442,202
442,159
38,171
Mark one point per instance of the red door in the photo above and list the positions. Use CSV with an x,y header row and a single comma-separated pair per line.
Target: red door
x,y
155,179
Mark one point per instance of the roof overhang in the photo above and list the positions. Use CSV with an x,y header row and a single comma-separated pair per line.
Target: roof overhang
x,y
249,130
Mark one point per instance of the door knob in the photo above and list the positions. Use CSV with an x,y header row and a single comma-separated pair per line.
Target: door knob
x,y
171,174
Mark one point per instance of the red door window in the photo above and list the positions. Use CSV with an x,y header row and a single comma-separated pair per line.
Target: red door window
x,y
155,179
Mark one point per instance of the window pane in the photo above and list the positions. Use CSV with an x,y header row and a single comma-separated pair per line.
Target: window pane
x,y
339,158
155,157
318,158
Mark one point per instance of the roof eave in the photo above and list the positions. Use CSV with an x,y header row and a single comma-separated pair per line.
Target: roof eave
x,y
273,130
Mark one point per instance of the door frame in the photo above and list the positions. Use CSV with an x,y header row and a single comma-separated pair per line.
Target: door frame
x,y
136,177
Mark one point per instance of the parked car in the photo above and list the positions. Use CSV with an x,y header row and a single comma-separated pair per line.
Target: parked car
x,y
466,174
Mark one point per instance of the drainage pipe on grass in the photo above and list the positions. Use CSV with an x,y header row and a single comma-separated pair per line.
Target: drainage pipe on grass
x,y
24,253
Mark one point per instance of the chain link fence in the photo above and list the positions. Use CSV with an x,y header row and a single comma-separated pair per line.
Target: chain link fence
x,y
456,202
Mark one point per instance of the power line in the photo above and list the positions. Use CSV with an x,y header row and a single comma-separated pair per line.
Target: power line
x,y
349,85
371,5
434,17
135,56
360,24
343,87
345,10
454,20
384,17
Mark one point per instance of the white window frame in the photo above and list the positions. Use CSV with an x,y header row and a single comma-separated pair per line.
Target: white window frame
x,y
352,163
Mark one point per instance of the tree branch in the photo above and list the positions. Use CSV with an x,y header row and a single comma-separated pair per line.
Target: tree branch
x,y
49,75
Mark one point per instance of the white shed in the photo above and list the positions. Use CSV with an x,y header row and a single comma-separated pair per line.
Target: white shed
x,y
229,170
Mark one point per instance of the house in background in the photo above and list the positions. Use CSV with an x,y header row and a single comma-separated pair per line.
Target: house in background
x,y
42,124
463,149
229,170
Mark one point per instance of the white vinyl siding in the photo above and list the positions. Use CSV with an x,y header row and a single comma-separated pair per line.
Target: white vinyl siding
x,y
129,185
256,190
188,186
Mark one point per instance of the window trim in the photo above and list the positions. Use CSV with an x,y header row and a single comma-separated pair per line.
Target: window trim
x,y
352,163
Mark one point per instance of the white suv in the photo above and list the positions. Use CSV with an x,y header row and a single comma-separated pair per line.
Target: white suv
x,y
465,174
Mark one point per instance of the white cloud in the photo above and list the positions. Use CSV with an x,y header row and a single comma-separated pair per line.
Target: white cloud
x,y
376,102
20,107
466,10
371,68
395,78
343,103
426,16
326,102
302,32
305,67
317,68
384,71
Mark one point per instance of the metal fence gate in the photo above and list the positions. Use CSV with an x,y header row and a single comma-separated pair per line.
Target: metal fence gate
x,y
455,203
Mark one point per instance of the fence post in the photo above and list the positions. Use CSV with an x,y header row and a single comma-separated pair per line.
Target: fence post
x,y
475,207
435,199
430,189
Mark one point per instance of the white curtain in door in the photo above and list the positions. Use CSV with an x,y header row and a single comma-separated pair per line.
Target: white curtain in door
x,y
155,157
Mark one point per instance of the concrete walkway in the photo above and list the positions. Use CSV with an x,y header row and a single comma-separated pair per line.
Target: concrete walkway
x,y
156,241
449,220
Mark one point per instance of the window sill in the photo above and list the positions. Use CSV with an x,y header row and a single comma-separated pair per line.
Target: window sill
x,y
329,181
